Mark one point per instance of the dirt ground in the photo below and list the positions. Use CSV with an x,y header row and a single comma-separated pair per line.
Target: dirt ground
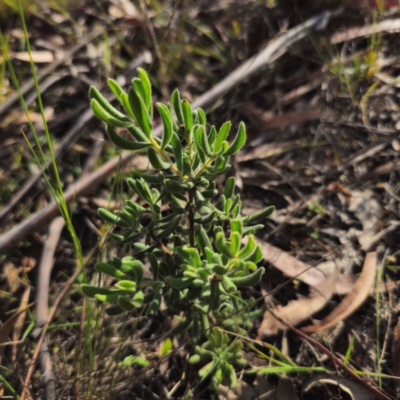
x,y
323,120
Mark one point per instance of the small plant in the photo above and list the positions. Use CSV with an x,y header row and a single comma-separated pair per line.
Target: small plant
x,y
192,240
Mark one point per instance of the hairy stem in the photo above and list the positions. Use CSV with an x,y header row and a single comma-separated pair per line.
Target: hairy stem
x,y
191,219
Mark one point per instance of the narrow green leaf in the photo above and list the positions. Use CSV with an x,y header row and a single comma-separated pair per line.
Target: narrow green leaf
x,y
177,186
222,135
229,187
167,122
155,159
202,204
196,131
179,283
177,103
204,141
124,143
143,190
146,85
155,305
109,270
249,280
178,151
221,244
106,298
105,116
138,298
95,94
202,240
139,109
126,285
166,348
235,243
154,267
187,115
249,247
91,291
168,228
137,133
260,216
211,137
115,88
202,117
108,216
238,142
256,256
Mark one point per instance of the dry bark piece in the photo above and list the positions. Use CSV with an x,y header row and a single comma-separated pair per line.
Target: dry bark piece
x,y
297,310
353,299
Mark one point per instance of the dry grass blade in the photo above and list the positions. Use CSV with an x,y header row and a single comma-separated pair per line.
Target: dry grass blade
x,y
298,310
353,300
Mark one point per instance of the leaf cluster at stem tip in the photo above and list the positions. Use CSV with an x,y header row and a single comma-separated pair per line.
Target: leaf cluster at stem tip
x,y
192,240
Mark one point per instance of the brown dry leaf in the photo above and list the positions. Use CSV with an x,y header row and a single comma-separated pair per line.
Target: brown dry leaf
x,y
44,56
12,275
353,299
297,310
19,323
396,353
308,274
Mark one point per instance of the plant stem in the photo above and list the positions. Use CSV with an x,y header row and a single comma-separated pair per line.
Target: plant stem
x,y
191,219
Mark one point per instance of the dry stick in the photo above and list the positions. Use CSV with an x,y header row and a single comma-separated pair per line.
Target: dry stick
x,y
26,87
67,141
39,219
42,304
336,360
44,328
270,54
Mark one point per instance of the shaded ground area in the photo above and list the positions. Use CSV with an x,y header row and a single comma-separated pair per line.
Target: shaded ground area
x,y
323,147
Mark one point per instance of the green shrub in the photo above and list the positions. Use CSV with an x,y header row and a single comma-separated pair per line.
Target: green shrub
x,y
194,247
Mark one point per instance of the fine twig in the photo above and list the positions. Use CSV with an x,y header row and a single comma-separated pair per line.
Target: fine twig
x,y
44,329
